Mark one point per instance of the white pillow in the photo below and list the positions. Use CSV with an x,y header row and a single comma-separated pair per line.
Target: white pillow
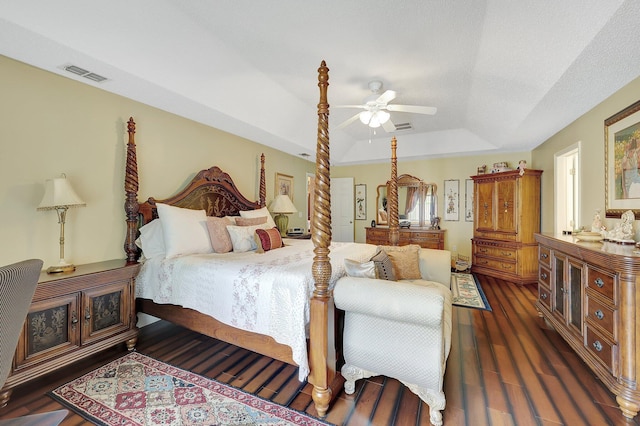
x,y
152,239
360,270
242,237
259,213
184,230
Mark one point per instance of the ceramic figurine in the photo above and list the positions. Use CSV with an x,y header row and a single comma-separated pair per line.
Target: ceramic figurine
x,y
596,225
521,166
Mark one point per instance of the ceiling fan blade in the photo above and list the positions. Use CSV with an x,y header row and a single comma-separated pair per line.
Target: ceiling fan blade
x,y
388,126
413,108
347,122
386,97
349,106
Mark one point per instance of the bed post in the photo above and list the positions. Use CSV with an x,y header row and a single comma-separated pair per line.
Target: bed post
x,y
131,193
394,226
322,358
263,187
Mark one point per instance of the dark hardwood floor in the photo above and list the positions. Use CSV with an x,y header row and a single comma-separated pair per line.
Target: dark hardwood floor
x,y
505,368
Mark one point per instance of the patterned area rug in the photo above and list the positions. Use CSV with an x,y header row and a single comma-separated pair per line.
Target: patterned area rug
x,y
138,390
467,291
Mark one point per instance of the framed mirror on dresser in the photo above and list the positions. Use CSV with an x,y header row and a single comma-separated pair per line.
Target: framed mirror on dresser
x,y
417,214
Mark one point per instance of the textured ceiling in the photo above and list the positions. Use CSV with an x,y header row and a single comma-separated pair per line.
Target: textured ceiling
x,y
505,75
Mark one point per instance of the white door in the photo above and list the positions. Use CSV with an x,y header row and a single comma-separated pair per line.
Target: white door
x,y
342,209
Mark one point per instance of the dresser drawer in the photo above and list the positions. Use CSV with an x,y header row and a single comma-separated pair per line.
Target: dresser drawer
x,y
602,316
544,256
602,349
499,265
544,296
424,236
602,282
509,254
544,276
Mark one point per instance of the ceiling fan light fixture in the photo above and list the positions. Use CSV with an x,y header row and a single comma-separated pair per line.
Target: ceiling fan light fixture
x,y
383,116
365,117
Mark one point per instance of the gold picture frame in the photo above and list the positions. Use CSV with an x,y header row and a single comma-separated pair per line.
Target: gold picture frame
x,y
284,185
621,161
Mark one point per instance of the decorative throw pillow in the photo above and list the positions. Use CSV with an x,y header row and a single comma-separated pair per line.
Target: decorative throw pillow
x,y
248,221
242,237
232,219
383,265
259,213
220,239
184,230
152,240
405,260
360,270
267,239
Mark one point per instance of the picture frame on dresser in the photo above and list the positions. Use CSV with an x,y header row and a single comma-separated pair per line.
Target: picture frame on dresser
x,y
452,200
622,151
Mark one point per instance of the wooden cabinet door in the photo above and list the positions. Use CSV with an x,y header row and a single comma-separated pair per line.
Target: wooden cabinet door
x,y
105,311
506,206
484,205
50,330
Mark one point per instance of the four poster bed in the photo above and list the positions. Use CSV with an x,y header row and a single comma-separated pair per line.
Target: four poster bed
x,y
213,190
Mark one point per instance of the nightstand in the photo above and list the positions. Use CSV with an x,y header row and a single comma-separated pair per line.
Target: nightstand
x,y
74,315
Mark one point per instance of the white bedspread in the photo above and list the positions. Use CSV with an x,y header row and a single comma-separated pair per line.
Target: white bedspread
x,y
267,293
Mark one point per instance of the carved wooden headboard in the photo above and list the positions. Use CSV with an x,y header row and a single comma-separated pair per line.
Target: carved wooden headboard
x,y
211,190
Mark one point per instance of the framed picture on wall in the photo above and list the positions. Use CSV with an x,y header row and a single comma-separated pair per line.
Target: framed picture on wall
x,y
452,200
361,201
468,201
284,185
621,158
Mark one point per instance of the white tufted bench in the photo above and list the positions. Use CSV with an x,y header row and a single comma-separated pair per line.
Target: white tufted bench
x,y
400,329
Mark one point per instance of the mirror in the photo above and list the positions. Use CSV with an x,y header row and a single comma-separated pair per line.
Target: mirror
x,y
417,201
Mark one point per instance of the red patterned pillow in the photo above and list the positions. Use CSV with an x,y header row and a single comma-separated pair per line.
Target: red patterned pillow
x,y
268,239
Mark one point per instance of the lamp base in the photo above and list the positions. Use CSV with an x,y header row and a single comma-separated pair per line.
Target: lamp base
x,y
282,221
61,268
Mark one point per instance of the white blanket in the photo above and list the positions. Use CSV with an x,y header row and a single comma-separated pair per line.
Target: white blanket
x,y
266,293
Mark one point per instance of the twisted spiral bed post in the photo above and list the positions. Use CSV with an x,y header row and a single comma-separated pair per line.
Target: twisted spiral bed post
x,y
394,225
131,195
322,357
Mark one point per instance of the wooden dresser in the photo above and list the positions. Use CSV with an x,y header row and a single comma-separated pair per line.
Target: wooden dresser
x,y
425,238
506,216
590,293
74,315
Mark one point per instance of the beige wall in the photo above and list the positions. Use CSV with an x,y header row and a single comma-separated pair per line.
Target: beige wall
x,y
53,125
589,131
458,235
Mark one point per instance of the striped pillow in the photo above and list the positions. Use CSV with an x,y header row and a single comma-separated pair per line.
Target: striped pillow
x,y
268,239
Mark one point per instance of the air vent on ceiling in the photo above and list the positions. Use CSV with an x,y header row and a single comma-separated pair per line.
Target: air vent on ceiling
x,y
304,154
403,126
84,73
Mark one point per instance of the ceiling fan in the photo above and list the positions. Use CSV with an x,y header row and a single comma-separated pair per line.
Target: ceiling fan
x,y
376,106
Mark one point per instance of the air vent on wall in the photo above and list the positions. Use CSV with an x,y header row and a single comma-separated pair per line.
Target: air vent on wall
x,y
84,73
403,126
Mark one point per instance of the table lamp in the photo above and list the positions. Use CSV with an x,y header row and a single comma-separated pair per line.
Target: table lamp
x,y
59,196
282,205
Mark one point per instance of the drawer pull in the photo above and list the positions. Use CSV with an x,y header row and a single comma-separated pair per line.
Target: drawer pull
x,y
544,296
74,318
599,282
544,255
483,250
544,275
483,262
504,266
597,345
599,314
506,253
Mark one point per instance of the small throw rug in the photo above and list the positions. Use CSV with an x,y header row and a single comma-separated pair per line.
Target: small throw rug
x,y
467,291
138,390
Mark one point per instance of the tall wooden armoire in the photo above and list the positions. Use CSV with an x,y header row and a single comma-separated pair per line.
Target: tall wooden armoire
x,y
506,215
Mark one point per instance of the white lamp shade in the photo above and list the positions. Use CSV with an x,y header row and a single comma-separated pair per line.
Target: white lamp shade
x,y
283,204
59,193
